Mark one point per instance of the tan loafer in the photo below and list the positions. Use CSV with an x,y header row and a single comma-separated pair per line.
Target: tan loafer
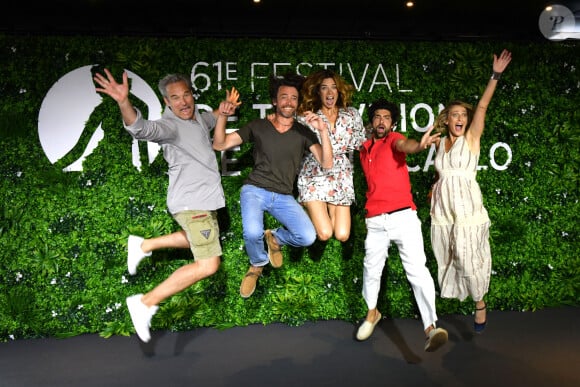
x,y
274,251
249,281
366,329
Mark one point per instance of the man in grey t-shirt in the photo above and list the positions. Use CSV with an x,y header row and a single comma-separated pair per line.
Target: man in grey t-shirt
x,y
194,194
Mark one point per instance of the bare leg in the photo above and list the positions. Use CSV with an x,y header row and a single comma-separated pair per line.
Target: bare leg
x,y
372,315
318,212
176,240
340,219
480,312
429,329
181,279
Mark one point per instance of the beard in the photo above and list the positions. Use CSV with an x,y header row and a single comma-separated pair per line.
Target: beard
x,y
286,113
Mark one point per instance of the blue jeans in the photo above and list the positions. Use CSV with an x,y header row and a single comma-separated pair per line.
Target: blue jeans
x,y
298,230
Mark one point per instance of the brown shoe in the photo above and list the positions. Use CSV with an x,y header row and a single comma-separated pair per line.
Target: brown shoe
x,y
274,252
249,282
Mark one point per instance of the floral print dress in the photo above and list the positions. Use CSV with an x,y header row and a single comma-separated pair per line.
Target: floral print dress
x,y
333,185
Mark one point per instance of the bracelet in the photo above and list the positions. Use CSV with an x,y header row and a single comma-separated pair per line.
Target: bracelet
x,y
496,76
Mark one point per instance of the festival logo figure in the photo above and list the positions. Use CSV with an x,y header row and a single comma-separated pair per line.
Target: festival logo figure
x,y
66,134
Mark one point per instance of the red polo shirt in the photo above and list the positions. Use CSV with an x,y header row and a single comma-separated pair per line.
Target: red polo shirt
x,y
385,169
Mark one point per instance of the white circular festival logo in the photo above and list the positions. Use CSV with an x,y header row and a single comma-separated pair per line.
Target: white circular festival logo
x,y
67,107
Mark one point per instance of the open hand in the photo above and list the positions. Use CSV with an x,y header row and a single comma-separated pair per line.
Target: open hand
x,y
118,91
429,139
500,63
229,106
233,96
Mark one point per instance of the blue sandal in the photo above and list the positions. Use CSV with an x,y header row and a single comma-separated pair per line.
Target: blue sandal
x,y
479,327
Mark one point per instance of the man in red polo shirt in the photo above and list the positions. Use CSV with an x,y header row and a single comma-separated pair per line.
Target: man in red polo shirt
x,y
391,216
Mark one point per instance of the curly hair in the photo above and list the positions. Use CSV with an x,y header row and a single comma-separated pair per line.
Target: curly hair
x,y
441,126
288,79
383,104
311,91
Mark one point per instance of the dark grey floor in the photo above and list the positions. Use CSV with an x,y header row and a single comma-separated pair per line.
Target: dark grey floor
x,y
539,348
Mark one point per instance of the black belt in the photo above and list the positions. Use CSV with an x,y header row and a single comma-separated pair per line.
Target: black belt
x,y
392,212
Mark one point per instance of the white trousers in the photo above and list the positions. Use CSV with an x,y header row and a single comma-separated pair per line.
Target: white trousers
x,y
404,229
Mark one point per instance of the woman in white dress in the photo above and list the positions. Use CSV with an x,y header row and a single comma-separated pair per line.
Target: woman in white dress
x,y
459,221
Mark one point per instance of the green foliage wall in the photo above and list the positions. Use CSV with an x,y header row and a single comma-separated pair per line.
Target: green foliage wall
x,y
63,234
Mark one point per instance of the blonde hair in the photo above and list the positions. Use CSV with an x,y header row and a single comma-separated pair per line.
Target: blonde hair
x,y
441,126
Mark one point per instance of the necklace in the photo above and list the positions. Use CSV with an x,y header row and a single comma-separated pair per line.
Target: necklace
x,y
331,115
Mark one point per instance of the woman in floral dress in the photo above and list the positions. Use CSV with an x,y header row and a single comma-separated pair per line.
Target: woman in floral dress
x,y
328,194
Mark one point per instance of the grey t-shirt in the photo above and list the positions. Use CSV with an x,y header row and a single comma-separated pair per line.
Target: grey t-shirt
x,y
277,156
194,178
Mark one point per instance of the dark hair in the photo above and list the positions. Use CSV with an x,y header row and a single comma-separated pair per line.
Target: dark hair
x,y
288,79
384,104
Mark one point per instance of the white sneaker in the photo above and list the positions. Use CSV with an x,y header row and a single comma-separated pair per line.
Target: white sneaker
x,y
141,316
134,253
